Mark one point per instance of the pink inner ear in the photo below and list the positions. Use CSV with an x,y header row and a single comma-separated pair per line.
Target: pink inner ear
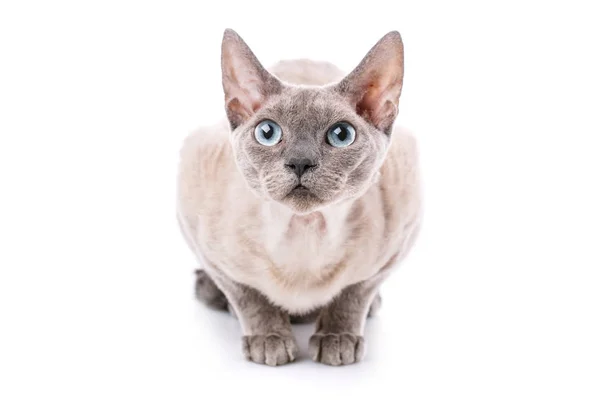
x,y
379,101
379,111
374,86
245,82
376,107
242,107
247,92
237,112
255,98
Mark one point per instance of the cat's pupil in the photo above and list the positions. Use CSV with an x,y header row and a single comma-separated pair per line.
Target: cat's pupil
x,y
267,131
341,133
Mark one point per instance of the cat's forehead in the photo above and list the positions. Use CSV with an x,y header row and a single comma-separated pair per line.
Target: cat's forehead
x,y
309,108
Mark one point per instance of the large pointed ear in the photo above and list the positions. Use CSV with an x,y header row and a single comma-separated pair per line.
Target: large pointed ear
x,y
246,83
374,87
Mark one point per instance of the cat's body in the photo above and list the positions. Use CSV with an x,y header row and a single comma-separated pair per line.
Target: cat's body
x,y
299,262
288,261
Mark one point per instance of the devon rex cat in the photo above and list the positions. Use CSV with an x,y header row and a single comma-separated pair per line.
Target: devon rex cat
x,y
303,200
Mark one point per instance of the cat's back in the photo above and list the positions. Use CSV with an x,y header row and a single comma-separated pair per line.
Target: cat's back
x,y
307,72
400,189
206,162
401,164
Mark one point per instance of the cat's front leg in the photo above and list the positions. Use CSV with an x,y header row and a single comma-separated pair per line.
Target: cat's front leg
x,y
267,332
338,339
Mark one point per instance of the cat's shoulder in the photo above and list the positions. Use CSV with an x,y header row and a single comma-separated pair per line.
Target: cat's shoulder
x,y
206,138
399,174
403,154
206,152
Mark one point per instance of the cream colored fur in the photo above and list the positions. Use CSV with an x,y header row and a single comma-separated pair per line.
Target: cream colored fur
x,y
298,262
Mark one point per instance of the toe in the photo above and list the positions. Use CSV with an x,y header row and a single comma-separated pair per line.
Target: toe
x,y
330,350
336,349
347,348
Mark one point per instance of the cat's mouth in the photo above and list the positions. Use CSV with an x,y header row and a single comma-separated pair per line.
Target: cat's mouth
x,y
300,187
302,199
301,191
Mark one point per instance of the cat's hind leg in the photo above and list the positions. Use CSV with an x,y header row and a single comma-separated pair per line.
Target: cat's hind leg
x,y
208,292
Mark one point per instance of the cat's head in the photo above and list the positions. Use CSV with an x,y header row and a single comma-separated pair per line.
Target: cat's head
x,y
310,146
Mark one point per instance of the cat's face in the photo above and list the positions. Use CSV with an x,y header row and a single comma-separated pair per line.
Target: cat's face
x,y
301,159
308,147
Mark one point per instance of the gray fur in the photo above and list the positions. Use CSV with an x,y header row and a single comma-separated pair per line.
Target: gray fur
x,y
338,338
305,114
208,292
267,332
268,338
367,99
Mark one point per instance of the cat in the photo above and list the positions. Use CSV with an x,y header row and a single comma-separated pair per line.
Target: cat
x,y
300,202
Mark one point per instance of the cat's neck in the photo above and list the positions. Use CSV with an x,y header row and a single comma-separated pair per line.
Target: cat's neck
x,y
327,221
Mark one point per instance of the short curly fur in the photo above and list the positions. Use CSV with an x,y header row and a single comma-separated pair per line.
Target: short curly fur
x,y
271,254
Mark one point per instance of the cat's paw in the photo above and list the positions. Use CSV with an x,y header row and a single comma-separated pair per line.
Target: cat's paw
x,y
272,349
336,348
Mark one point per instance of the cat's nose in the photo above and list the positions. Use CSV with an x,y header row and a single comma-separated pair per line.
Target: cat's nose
x,y
300,166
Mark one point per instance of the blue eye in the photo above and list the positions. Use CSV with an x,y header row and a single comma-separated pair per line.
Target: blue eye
x,y
341,134
267,133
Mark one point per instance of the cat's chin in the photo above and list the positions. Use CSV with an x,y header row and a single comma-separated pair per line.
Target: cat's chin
x,y
302,201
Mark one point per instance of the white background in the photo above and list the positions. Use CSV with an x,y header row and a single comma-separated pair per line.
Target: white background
x,y
499,299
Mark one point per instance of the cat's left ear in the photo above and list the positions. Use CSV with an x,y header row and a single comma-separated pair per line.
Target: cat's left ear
x,y
374,87
246,83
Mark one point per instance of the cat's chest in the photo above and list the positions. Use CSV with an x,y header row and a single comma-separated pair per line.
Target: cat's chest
x,y
309,261
300,262
303,244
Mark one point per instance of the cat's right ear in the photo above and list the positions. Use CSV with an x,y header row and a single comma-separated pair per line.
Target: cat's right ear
x,y
374,87
246,83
